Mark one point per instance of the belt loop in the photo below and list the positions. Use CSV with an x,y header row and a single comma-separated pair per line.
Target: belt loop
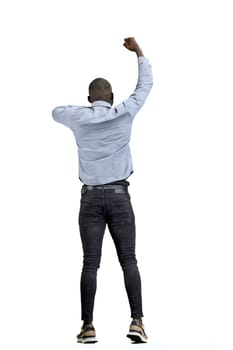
x,y
83,190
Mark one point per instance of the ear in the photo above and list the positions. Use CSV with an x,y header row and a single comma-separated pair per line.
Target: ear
x,y
112,98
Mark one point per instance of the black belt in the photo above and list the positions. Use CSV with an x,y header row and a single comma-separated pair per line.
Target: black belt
x,y
116,188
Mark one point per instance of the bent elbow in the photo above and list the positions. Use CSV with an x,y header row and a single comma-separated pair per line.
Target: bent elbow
x,y
57,112
54,113
151,83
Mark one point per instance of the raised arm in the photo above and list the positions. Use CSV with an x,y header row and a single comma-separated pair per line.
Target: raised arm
x,y
145,79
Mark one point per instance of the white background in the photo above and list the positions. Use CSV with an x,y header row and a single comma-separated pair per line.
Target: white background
x,y
182,186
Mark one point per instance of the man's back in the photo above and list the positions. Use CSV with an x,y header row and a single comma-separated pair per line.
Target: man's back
x,y
104,149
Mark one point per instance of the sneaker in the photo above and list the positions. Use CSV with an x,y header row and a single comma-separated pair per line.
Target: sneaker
x,y
136,332
87,334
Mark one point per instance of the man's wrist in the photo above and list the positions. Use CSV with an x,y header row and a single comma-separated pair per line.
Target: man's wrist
x,y
139,52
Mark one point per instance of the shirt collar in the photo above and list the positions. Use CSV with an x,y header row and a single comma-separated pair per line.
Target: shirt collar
x,y
101,103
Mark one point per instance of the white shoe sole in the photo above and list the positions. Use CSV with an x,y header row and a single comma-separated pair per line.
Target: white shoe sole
x,y
137,337
90,340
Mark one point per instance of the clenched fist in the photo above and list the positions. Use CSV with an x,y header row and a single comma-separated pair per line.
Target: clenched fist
x,y
132,45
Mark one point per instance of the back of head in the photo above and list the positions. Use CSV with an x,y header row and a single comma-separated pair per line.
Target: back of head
x,y
100,89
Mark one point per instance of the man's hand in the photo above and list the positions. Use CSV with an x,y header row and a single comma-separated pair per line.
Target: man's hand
x,y
132,45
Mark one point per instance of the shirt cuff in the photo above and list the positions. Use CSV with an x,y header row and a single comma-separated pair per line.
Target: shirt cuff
x,y
142,59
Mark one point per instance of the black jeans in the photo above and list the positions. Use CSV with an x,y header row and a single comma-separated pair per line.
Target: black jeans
x,y
101,207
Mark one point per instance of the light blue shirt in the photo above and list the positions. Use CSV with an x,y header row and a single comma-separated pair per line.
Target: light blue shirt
x,y
102,132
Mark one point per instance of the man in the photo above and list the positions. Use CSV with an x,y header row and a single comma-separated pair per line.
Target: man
x,y
102,135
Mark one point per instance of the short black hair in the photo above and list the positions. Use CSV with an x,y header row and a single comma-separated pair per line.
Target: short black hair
x,y
100,86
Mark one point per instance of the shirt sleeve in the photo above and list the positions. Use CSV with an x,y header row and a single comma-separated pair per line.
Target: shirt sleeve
x,y
62,114
143,87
